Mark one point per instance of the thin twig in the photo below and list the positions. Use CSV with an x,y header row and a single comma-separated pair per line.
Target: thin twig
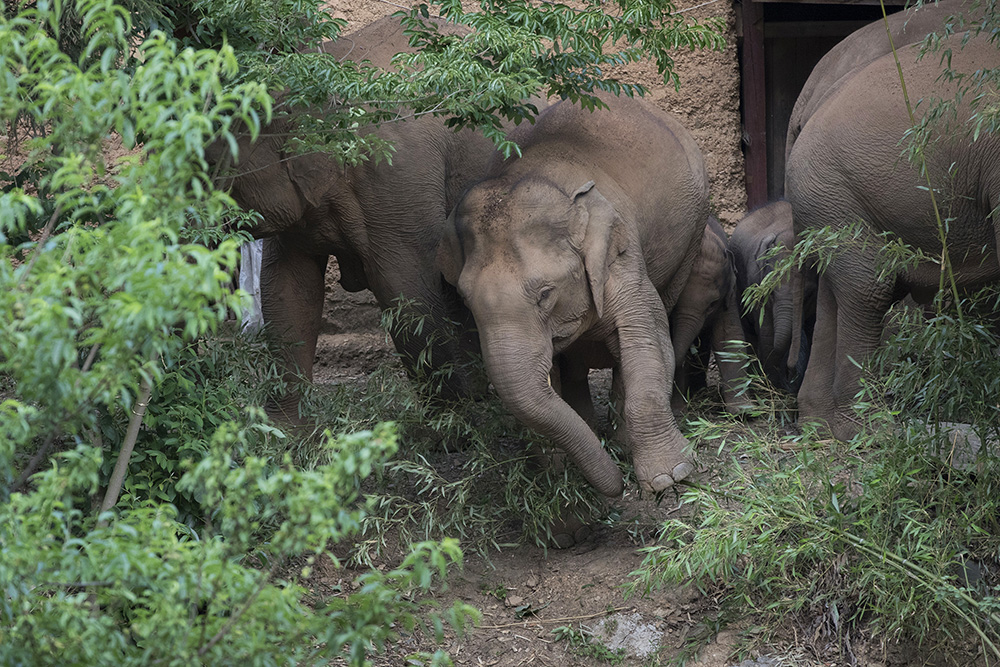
x,y
77,584
46,233
33,464
565,619
90,358
236,617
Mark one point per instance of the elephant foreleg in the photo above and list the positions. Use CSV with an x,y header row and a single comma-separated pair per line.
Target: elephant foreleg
x,y
423,328
815,396
660,453
292,287
848,329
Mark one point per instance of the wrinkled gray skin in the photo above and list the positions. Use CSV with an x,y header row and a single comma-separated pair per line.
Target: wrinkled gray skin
x,y
774,338
579,249
769,330
846,166
382,222
707,317
862,47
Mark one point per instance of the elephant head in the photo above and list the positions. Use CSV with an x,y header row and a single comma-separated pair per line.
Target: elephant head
x,y
783,324
707,313
264,176
530,260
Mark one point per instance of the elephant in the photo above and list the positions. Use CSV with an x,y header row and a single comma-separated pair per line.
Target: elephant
x,y
381,220
846,166
862,47
579,249
769,329
707,317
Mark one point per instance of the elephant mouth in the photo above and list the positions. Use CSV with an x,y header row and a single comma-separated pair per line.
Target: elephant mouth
x,y
560,343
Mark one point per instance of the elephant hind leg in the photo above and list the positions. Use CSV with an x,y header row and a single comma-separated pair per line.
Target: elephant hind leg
x,y
575,388
848,330
815,396
292,290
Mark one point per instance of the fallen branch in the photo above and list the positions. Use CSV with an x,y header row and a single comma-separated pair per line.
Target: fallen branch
x,y
565,619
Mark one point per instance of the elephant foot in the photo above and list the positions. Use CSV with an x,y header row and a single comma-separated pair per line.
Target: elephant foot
x,y
285,413
846,426
564,537
569,529
664,481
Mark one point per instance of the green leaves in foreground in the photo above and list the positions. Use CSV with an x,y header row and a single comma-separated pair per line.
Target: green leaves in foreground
x,y
895,534
142,589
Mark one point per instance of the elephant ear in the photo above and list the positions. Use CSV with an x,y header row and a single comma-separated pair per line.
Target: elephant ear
x,y
310,174
449,252
766,243
591,234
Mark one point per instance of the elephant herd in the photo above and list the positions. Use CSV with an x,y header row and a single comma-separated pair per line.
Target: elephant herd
x,y
595,248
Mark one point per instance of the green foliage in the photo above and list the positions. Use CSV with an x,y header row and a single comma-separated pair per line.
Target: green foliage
x,y
109,293
205,386
469,469
517,50
896,532
108,288
816,249
141,589
548,49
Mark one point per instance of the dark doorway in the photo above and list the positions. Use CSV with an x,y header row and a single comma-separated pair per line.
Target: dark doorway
x,y
787,39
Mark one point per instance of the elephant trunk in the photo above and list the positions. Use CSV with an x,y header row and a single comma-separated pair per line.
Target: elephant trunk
x,y
783,325
519,368
684,330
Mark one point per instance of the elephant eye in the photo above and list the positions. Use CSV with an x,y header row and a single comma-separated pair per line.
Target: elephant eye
x,y
544,294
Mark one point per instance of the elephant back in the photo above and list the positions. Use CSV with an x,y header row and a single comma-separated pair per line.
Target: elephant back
x,y
861,48
860,134
379,41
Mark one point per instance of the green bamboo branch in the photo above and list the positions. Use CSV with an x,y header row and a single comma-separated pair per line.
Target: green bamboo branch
x,y
903,565
946,268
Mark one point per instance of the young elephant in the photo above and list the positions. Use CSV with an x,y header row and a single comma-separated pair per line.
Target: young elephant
x,y
583,243
846,167
769,329
707,316
381,221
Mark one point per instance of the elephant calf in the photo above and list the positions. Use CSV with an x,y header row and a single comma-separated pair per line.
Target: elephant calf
x,y
580,248
707,316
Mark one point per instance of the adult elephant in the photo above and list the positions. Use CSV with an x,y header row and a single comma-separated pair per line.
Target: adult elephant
x,y
585,243
382,221
761,239
846,167
772,331
707,317
864,46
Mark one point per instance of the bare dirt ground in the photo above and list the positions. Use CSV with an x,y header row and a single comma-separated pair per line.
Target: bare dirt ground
x,y
527,592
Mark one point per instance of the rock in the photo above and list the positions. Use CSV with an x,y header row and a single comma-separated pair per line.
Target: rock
x,y
629,633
